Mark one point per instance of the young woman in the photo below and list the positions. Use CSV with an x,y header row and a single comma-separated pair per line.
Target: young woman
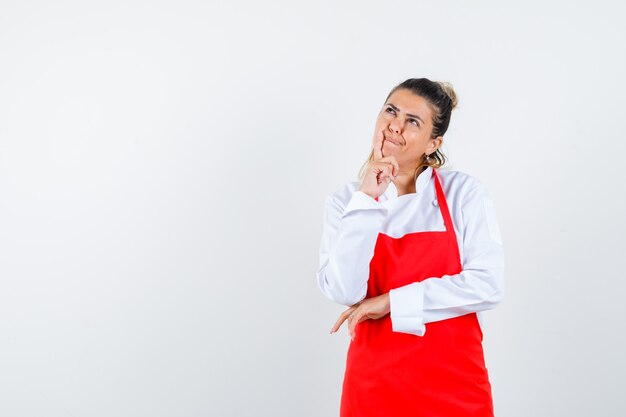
x,y
415,251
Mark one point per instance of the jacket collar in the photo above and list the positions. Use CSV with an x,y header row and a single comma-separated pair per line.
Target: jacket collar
x,y
421,182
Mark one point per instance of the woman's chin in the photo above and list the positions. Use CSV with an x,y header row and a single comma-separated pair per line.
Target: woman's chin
x,y
390,149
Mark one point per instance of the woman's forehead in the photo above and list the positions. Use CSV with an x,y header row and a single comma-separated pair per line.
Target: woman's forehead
x,y
410,103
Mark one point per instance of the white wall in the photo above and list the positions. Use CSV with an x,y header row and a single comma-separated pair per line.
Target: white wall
x,y
163,167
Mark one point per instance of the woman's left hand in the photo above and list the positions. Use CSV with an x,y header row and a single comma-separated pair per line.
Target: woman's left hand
x,y
370,308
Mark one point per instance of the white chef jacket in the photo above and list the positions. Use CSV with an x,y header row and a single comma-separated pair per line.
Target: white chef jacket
x,y
353,220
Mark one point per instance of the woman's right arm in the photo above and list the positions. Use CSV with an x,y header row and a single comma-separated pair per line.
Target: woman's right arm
x,y
348,239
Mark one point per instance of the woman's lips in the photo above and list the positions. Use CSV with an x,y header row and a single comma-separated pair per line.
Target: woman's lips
x,y
392,141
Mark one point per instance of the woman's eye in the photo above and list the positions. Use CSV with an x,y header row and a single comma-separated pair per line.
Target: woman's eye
x,y
389,110
415,122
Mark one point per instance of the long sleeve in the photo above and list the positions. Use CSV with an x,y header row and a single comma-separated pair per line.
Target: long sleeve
x,y
479,286
347,246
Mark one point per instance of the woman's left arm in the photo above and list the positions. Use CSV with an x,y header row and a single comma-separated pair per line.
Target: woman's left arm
x,y
479,286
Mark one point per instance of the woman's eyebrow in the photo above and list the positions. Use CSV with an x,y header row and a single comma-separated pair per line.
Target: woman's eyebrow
x,y
410,115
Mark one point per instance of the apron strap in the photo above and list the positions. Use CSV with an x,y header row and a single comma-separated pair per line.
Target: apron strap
x,y
443,204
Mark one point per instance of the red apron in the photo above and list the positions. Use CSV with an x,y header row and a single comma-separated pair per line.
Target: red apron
x,y
393,374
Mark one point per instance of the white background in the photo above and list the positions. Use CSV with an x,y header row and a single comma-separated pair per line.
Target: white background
x,y
163,168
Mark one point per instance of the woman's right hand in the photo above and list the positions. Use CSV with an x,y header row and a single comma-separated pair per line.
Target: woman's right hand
x,y
379,172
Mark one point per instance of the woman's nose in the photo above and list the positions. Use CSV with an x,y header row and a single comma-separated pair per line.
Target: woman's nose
x,y
394,127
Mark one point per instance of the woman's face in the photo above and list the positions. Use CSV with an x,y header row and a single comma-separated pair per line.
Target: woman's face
x,y
406,122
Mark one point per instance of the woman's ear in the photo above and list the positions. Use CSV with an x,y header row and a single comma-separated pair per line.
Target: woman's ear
x,y
434,144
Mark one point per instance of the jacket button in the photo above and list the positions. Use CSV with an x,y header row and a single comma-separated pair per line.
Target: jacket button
x,y
435,203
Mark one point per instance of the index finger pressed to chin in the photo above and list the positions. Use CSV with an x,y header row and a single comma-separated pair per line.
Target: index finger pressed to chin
x,y
378,145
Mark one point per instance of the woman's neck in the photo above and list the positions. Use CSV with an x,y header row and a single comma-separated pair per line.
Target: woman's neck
x,y
405,182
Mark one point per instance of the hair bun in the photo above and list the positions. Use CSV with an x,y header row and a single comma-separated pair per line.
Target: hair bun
x,y
449,90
